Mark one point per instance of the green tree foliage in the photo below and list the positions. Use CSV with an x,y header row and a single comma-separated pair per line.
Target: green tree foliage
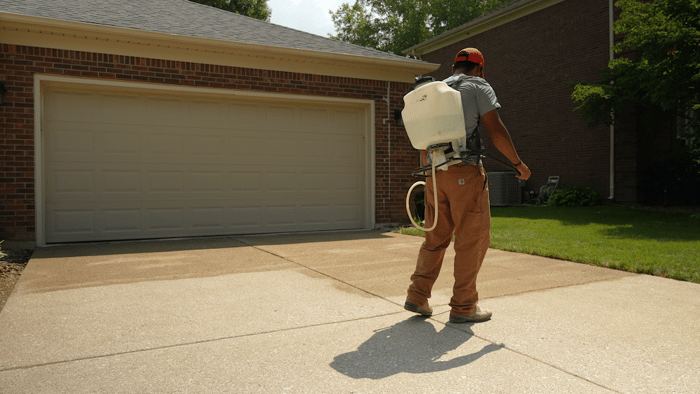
x,y
253,8
395,25
659,66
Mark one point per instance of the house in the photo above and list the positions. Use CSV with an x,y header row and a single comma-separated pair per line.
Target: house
x,y
125,119
532,49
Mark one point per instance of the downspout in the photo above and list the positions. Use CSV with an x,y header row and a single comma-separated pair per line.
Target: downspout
x,y
612,126
387,122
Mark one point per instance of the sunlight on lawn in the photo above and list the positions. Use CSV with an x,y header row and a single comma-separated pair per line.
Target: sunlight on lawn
x,y
621,237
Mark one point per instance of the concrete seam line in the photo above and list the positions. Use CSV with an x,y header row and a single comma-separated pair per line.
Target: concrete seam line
x,y
316,271
23,367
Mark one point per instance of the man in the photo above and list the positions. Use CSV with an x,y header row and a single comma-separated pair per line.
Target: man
x,y
463,199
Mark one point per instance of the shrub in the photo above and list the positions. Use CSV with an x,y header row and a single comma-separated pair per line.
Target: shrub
x,y
575,196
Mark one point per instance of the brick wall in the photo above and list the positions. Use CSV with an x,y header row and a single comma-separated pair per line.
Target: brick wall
x,y
394,156
528,63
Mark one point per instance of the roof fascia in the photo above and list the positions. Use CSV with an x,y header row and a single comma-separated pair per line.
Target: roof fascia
x,y
479,25
57,34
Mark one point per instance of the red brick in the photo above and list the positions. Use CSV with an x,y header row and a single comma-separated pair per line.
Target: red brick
x,y
17,117
528,61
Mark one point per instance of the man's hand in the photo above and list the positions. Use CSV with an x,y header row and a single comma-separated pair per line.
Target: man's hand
x,y
524,171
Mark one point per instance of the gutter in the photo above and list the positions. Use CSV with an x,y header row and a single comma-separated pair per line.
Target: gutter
x,y
611,10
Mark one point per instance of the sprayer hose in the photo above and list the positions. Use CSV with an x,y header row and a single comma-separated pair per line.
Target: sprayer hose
x,y
408,200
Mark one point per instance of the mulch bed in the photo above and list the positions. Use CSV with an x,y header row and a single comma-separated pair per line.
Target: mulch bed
x,y
11,267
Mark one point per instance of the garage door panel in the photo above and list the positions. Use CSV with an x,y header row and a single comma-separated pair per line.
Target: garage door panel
x,y
350,150
208,148
70,183
170,182
164,145
60,105
317,214
160,222
119,144
164,221
207,218
67,224
314,120
152,167
245,218
313,182
212,113
121,182
247,146
153,110
73,181
245,184
206,181
70,139
110,109
281,215
100,183
347,213
243,116
279,149
127,220
347,121
279,117
314,149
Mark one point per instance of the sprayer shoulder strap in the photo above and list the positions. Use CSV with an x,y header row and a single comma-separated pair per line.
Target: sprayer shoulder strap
x,y
473,146
455,84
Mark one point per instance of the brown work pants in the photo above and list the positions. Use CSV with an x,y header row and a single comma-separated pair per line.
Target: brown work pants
x,y
463,210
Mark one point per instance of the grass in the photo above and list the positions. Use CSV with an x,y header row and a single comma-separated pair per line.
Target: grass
x,y
622,237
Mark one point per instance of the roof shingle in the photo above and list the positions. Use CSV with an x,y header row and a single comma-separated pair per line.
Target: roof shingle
x,y
186,18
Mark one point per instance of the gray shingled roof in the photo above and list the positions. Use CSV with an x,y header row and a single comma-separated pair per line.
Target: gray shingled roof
x,y
186,18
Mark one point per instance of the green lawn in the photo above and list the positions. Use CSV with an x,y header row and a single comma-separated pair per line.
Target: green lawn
x,y
616,236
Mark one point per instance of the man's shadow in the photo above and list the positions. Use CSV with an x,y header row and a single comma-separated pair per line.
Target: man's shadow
x,y
411,346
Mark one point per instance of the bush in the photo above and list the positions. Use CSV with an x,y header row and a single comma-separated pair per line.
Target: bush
x,y
575,196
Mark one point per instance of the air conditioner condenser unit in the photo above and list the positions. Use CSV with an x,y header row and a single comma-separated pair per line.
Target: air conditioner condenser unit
x,y
504,189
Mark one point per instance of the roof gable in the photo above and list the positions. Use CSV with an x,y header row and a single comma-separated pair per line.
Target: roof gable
x,y
174,20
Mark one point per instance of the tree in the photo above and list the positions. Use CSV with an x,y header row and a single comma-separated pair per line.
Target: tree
x,y
658,75
253,8
395,25
659,66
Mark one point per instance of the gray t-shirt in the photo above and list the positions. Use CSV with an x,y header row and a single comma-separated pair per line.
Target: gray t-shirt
x,y
478,98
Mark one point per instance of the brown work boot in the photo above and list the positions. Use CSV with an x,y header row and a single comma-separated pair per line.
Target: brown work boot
x,y
478,315
424,310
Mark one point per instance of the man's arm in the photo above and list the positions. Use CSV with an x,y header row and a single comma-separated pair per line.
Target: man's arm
x,y
501,140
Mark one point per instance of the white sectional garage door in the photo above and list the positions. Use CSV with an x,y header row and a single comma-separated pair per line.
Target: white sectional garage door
x,y
125,163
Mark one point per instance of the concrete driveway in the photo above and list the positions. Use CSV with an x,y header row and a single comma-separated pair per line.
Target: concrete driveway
x,y
323,314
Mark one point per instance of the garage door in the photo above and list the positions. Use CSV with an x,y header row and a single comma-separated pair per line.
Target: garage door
x,y
136,164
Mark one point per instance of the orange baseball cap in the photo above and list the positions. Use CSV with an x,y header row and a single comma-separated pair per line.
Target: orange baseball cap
x,y
471,55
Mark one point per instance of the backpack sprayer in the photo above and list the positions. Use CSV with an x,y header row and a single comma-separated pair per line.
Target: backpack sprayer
x,y
434,122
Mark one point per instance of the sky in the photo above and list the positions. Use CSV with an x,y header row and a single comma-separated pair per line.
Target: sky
x,y
311,16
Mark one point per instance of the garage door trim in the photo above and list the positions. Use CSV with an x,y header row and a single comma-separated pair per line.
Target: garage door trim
x,y
43,81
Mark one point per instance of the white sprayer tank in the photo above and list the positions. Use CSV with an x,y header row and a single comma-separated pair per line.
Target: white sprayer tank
x,y
433,114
